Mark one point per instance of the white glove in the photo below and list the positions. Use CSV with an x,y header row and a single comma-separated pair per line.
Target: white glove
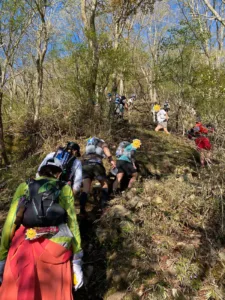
x,y
77,274
2,266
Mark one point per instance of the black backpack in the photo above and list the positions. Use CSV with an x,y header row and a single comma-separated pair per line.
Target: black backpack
x,y
42,204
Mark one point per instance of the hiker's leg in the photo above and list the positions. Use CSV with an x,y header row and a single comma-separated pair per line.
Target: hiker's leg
x,y
105,193
84,194
166,131
208,156
202,158
158,128
130,171
116,183
132,180
100,175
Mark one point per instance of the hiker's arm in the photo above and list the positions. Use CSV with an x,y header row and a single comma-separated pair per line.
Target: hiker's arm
x,y
9,223
132,157
108,155
77,177
67,202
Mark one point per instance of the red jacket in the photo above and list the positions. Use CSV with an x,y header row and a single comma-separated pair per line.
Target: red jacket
x,y
203,142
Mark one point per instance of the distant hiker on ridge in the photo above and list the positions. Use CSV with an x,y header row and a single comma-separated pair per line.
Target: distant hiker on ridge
x,y
162,118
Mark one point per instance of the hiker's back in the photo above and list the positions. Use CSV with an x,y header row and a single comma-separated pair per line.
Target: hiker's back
x,y
93,150
42,205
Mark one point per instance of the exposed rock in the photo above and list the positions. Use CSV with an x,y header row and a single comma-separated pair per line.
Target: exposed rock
x,y
157,200
133,202
118,211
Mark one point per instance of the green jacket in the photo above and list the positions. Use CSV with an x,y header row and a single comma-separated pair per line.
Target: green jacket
x,y
66,200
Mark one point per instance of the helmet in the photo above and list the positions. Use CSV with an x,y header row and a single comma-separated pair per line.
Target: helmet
x,y
55,162
73,146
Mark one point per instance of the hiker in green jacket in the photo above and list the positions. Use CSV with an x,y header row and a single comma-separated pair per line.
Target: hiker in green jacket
x,y
40,250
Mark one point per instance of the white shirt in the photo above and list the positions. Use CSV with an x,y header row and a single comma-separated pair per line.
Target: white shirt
x,y
76,171
161,116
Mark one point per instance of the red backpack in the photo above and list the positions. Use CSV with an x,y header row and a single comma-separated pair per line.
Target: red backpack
x,y
201,128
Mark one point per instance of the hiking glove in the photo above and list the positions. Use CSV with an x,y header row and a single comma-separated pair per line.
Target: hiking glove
x,y
77,274
2,266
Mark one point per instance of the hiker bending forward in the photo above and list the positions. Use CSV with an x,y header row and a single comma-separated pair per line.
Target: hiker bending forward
x,y
40,242
126,163
96,150
72,167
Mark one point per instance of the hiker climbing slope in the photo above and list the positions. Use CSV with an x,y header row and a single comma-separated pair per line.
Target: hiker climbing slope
x,y
199,134
96,150
125,163
162,118
120,105
72,167
41,240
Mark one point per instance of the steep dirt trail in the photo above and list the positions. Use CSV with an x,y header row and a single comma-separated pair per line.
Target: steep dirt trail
x,y
158,158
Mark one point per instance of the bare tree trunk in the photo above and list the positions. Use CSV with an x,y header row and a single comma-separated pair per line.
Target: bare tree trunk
x,y
38,103
121,86
91,34
2,142
117,33
42,45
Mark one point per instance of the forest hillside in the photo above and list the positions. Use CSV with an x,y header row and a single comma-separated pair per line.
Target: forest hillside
x,y
63,64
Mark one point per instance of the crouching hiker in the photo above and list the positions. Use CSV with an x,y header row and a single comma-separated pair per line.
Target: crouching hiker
x,y
40,251
125,163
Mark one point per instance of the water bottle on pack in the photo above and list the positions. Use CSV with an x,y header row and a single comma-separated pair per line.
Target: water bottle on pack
x,y
59,153
65,158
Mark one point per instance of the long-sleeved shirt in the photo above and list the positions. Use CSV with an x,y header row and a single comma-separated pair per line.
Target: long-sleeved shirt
x,y
76,171
66,201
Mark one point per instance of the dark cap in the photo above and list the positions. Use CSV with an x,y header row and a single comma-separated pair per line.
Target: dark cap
x,y
73,146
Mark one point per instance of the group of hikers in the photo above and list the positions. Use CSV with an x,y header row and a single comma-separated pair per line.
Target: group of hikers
x,y
120,103
198,133
40,250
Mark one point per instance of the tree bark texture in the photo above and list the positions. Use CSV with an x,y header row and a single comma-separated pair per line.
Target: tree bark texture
x,y
2,142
